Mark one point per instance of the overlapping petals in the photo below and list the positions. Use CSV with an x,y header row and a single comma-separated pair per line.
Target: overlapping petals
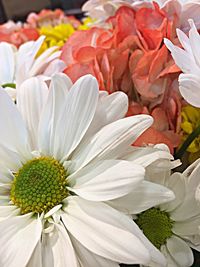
x,y
188,61
98,174
146,72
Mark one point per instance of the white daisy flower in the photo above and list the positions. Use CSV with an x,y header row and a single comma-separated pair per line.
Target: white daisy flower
x,y
17,65
188,60
60,166
101,10
173,227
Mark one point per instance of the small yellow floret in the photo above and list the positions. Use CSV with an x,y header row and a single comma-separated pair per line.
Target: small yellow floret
x,y
190,121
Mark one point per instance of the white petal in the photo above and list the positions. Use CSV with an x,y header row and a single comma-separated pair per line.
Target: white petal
x,y
7,66
76,117
35,47
59,88
41,62
31,97
13,132
18,239
176,183
188,206
190,89
182,58
188,209
116,106
187,228
170,261
184,40
78,114
109,109
194,41
54,67
145,196
63,81
180,251
108,180
95,226
5,189
111,140
6,211
10,159
145,156
25,58
11,92
89,259
57,249
191,175
6,175
36,258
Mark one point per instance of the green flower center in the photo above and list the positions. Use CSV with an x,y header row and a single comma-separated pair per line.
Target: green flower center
x,y
156,225
39,185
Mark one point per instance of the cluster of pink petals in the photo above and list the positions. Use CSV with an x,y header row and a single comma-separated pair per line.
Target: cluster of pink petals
x,y
49,17
131,57
17,33
20,33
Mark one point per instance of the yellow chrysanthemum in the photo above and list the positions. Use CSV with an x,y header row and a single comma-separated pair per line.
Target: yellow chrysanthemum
x,y
86,23
58,35
190,121
55,35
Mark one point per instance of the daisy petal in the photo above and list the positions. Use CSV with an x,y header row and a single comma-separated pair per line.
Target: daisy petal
x,y
78,114
75,118
56,66
187,228
144,197
42,61
184,40
13,132
182,59
194,41
6,211
10,159
107,180
57,249
189,88
116,106
87,258
7,66
177,184
90,224
145,156
170,261
25,58
180,251
111,140
36,258
57,97
21,235
109,109
31,97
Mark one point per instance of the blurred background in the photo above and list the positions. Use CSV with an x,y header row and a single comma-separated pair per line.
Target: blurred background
x,y
19,9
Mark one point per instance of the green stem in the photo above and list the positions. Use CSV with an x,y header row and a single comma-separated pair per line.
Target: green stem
x,y
11,85
188,141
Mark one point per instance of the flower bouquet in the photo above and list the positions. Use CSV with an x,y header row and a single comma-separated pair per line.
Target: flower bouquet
x,y
100,136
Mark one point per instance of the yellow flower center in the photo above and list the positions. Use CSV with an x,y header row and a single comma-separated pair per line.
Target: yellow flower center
x,y
190,121
39,185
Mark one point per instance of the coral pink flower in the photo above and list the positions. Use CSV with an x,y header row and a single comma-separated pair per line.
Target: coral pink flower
x,y
131,57
16,33
49,17
167,120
